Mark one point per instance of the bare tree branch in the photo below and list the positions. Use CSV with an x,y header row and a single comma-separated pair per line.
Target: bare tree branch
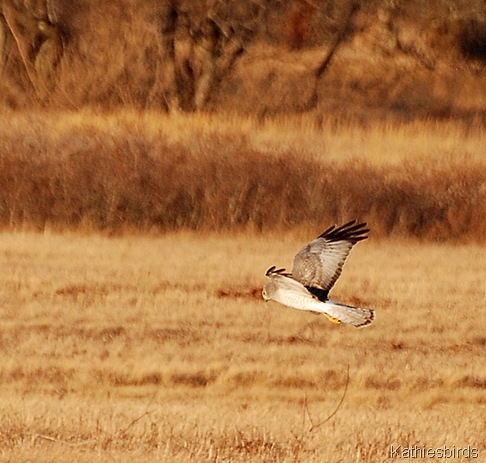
x,y
338,38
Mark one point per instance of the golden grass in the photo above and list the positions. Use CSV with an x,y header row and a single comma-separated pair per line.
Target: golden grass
x,y
161,349
146,171
331,139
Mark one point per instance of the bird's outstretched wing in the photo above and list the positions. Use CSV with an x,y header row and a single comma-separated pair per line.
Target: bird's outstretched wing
x,y
318,265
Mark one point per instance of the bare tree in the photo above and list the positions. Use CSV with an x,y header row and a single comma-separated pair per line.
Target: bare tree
x,y
349,9
165,72
38,40
201,48
3,42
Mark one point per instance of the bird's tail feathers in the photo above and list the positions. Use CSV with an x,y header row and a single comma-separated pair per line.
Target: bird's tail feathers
x,y
356,316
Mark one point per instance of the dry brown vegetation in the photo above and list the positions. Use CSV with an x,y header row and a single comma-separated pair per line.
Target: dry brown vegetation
x,y
150,172
361,57
160,349
133,243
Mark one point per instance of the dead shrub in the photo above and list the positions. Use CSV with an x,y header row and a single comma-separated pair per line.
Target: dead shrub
x,y
96,179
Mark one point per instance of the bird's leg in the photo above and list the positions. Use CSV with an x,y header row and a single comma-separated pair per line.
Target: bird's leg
x,y
332,319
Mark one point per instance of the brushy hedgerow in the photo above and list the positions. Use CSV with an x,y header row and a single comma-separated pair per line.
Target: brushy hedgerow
x,y
92,177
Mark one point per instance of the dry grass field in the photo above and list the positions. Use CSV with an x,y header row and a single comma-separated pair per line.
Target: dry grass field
x,y
136,228
160,349
133,249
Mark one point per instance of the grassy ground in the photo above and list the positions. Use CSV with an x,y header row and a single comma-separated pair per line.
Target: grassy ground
x,y
161,349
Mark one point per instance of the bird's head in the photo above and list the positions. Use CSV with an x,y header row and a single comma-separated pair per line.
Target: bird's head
x,y
269,290
265,295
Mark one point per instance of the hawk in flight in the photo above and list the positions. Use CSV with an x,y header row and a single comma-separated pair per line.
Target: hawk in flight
x,y
315,269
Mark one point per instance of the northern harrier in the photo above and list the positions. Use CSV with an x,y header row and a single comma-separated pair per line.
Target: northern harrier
x,y
315,269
